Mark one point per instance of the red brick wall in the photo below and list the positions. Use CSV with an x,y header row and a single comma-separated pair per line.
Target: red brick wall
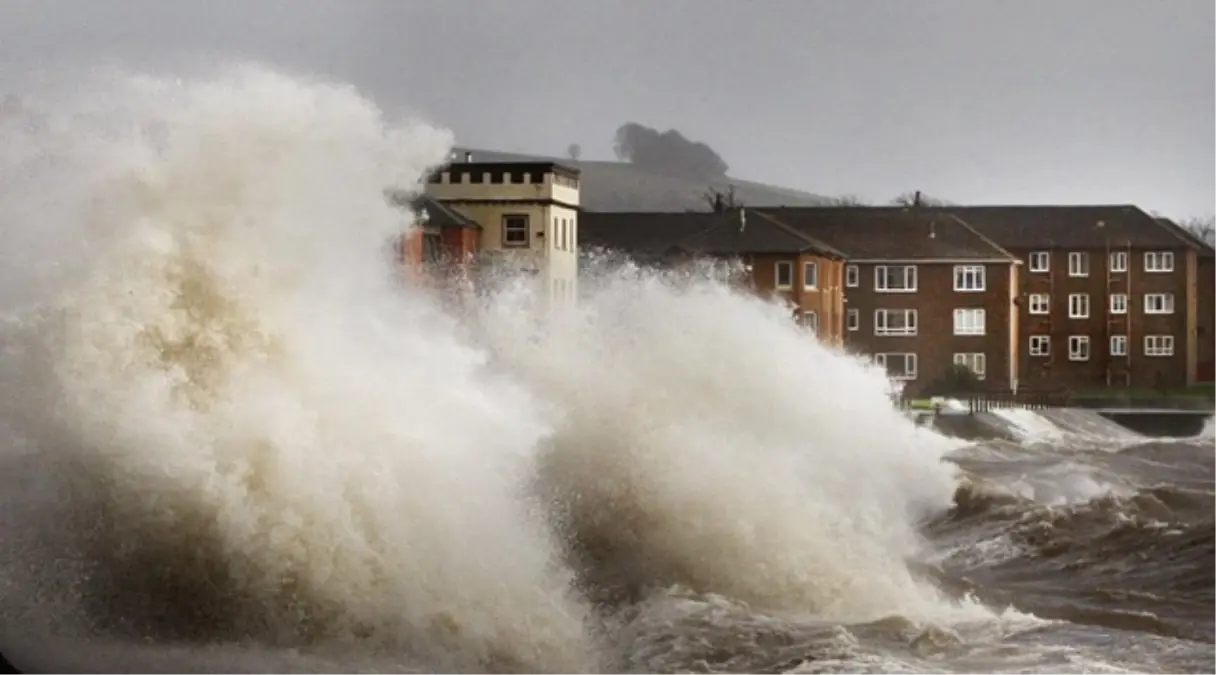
x,y
935,343
1143,371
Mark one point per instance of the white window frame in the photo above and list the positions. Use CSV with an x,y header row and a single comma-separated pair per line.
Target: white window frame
x,y
880,279
970,279
1039,303
777,268
965,323
1159,345
1118,345
1118,303
1158,303
1039,261
1118,262
511,223
810,281
1076,303
910,373
1078,264
853,317
852,276
1075,345
1159,262
881,322
810,319
1040,345
976,362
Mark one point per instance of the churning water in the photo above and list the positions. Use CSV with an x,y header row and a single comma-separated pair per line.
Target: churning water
x,y
235,437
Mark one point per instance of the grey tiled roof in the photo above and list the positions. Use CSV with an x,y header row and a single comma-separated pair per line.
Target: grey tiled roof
x,y
1024,227
891,233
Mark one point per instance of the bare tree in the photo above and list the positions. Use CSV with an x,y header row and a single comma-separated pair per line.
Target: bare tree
x,y
574,151
844,200
721,201
1203,227
916,198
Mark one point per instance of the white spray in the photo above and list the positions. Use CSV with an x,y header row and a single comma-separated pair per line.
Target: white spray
x,y
202,320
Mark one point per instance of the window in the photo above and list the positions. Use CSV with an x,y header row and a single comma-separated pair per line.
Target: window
x,y
969,321
1040,303
784,274
1159,261
895,322
1118,303
1078,347
1158,303
1078,306
852,276
515,230
1040,345
810,275
432,248
1118,345
810,319
1078,264
975,362
968,278
1158,345
895,278
854,318
1118,261
1040,261
898,366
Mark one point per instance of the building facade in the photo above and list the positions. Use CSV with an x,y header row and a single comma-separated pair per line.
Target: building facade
x,y
924,294
526,216
1108,295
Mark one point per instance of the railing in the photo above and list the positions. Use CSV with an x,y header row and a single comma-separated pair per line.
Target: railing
x,y
985,401
1025,400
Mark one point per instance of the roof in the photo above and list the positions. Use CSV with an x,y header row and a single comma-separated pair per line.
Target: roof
x,y
736,232
890,233
1190,237
497,170
1081,227
438,214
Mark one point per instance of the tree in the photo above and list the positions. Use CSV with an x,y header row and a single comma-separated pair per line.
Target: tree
x,y
956,380
915,198
1202,227
667,151
574,151
844,200
721,201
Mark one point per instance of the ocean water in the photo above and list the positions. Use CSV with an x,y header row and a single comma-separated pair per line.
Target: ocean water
x,y
233,437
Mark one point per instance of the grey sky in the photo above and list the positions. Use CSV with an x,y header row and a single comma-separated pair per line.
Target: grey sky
x,y
987,101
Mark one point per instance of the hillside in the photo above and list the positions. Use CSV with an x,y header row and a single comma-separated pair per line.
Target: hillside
x,y
620,186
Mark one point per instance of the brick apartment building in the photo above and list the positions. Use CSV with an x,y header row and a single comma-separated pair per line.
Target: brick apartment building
x,y
783,262
920,291
923,292
1205,301
1108,296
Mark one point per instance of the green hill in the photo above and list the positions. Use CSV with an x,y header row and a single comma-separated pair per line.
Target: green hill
x,y
620,186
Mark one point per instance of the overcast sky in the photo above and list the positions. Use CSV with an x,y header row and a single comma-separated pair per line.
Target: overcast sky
x,y
984,101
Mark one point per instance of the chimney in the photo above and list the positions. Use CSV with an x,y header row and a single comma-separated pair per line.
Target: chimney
x,y
468,157
916,199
